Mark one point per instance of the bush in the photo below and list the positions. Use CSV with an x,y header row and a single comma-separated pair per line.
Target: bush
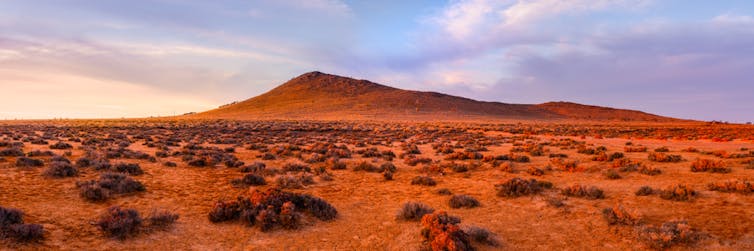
x,y
129,168
27,232
678,193
29,162
649,170
441,232
367,167
61,145
644,191
535,171
271,208
169,164
588,192
161,218
669,234
10,216
12,152
516,187
119,222
296,167
294,181
662,157
388,167
708,165
413,211
423,180
60,169
612,174
620,216
462,200
732,186
663,149
482,236
335,164
565,165
198,162
249,180
444,191
256,167
107,185
388,175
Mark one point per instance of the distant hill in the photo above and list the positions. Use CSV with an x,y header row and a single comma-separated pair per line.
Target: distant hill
x,y
317,95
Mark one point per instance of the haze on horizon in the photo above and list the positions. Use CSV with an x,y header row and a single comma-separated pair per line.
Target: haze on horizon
x,y
112,59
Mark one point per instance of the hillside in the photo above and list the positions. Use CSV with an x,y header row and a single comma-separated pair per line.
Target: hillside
x,y
317,95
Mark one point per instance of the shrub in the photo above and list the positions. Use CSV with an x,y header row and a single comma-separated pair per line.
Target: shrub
x,y
366,166
732,186
588,192
413,211
107,185
61,145
129,168
644,191
620,216
60,169
669,234
708,165
516,187
27,232
256,167
462,200
612,174
662,157
444,191
441,232
423,180
273,207
635,149
678,192
662,149
535,171
555,202
649,170
29,162
296,167
388,175
10,216
119,222
565,165
335,164
161,218
12,152
198,162
169,164
481,235
249,180
294,181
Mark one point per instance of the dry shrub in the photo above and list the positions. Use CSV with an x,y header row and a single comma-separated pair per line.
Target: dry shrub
x,y
413,211
516,187
482,236
61,169
12,225
662,157
413,161
272,208
367,167
161,218
649,170
612,174
335,164
635,149
423,180
602,156
250,179
119,222
732,186
441,232
107,185
29,162
588,192
294,181
618,215
256,167
462,200
644,191
388,175
708,165
678,192
566,165
535,171
129,168
669,234
296,167
444,191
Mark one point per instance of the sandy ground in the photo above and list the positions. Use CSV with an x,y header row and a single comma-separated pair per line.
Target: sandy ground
x,y
367,205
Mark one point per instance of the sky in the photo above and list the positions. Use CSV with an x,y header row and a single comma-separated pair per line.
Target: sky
x,y
689,59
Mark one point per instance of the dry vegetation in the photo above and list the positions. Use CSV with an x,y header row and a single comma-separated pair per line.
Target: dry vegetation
x,y
361,186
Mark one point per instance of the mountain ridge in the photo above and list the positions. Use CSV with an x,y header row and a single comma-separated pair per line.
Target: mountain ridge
x,y
316,95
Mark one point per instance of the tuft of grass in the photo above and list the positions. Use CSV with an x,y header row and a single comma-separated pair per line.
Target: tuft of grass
x,y
413,211
516,187
423,180
588,192
462,200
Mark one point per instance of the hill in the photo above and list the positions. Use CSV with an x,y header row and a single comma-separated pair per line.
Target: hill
x,y
317,95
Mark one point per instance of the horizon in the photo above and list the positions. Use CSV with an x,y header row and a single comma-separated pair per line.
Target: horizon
x,y
110,60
